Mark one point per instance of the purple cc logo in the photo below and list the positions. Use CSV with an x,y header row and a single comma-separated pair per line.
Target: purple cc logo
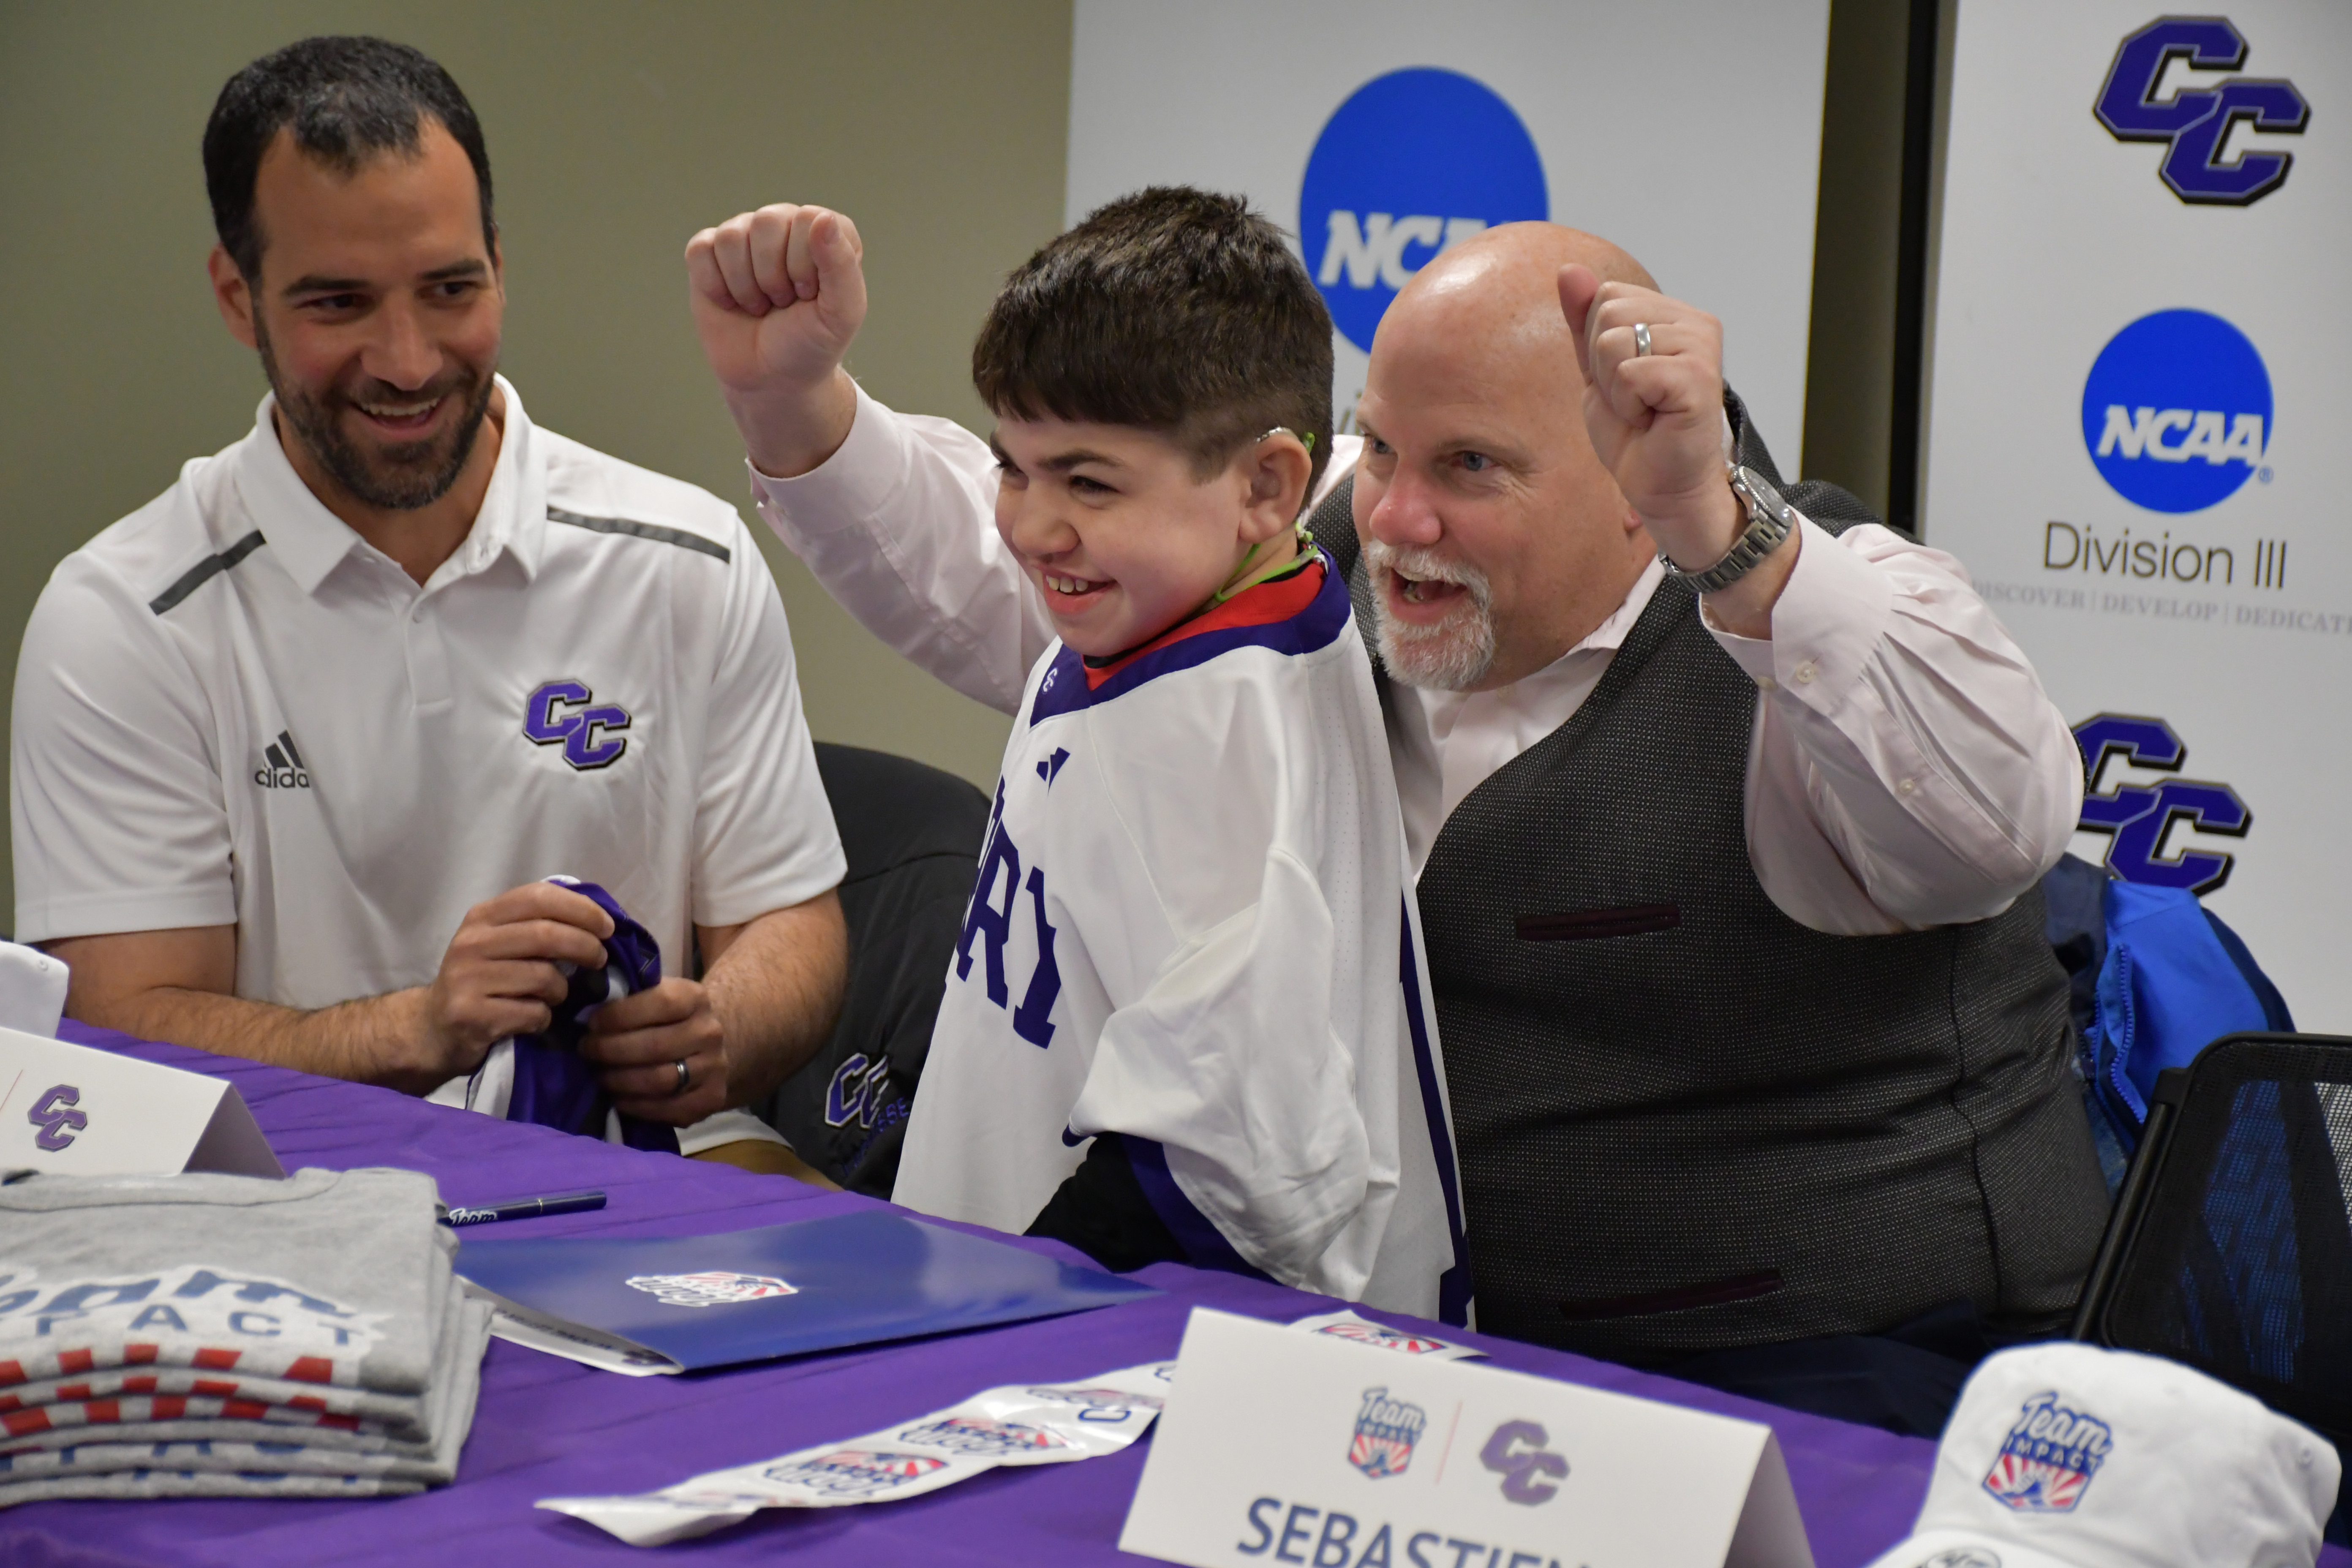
x,y
58,1124
1517,1453
581,731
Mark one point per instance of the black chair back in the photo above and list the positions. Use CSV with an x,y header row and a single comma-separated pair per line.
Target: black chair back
x,y
2231,1247
912,836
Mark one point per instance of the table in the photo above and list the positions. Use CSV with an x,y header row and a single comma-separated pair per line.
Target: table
x,y
548,1427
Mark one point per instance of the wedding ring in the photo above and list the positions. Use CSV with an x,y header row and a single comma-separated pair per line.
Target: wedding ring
x,y
683,1074
1641,340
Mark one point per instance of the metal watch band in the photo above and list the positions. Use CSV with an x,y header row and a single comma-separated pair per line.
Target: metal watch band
x,y
1771,520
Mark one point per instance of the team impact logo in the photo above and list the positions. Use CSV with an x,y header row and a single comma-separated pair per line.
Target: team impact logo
x,y
2177,410
2196,122
712,1289
2049,1457
855,1472
978,1436
1106,1405
1411,162
1379,1336
581,731
2138,817
1386,1430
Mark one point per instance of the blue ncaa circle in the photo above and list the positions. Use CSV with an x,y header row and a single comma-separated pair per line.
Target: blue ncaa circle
x,y
1410,159
2177,410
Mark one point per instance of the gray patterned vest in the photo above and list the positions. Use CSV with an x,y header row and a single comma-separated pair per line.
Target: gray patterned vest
x,y
1687,1122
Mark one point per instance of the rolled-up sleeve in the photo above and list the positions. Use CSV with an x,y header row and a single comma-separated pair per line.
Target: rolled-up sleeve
x,y
1906,768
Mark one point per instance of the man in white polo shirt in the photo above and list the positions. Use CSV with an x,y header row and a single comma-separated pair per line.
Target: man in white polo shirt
x,y
296,744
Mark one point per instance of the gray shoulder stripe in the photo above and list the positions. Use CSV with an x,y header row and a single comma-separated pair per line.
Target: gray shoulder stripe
x,y
652,530
204,571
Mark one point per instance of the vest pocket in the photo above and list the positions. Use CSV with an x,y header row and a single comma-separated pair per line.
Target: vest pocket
x,y
1682,1299
1591,925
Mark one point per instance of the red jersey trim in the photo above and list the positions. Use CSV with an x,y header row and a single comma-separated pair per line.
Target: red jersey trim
x,y
1262,605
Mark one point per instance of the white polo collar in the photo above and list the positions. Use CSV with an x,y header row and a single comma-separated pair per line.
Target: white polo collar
x,y
310,542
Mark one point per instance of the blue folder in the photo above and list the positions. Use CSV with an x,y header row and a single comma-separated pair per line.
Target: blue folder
x,y
783,1290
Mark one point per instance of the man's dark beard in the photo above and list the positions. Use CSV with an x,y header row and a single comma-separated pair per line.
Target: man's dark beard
x,y
404,476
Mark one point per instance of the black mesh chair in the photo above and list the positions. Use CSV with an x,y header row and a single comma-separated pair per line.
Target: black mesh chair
x,y
2231,1246
912,836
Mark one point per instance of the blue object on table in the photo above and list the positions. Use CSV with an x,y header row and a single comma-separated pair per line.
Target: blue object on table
x,y
522,1209
787,1289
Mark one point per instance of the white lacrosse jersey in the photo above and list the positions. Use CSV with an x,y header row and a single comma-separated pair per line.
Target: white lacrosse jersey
x,y
1190,926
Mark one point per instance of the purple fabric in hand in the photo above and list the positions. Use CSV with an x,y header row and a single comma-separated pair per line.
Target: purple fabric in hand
x,y
554,1084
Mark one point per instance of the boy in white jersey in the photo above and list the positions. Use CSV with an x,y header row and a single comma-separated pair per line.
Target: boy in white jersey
x,y
1184,1020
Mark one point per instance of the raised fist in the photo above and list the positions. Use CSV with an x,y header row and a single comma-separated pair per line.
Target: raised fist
x,y
778,295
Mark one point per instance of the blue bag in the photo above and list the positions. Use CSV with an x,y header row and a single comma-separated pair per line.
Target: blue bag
x,y
2174,980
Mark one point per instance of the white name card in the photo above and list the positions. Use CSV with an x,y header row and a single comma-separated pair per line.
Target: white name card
x,y
1278,1448
84,1113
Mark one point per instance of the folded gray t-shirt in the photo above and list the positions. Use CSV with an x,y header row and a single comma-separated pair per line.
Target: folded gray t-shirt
x,y
327,1277
304,1403
151,1460
154,1419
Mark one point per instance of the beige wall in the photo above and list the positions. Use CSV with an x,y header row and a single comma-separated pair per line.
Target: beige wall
x,y
615,129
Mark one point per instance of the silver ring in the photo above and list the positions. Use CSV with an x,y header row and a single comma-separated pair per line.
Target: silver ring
x,y
684,1075
1641,340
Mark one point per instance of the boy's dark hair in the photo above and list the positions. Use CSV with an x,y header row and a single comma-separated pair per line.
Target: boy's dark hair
x,y
1174,311
348,100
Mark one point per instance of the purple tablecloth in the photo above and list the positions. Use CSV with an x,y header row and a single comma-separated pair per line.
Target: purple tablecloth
x,y
547,1426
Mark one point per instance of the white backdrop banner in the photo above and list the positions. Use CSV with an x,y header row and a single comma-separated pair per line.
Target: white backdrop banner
x,y
2143,358
1378,131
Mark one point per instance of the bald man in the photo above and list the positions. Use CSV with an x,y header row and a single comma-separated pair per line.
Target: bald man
x,y
1728,807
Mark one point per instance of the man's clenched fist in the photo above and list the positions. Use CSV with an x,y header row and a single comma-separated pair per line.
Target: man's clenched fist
x,y
499,979
778,295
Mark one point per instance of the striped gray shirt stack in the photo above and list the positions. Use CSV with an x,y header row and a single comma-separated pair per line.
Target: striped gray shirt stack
x,y
224,1336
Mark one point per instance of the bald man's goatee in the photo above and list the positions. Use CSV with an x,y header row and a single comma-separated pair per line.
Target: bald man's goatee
x,y
1451,655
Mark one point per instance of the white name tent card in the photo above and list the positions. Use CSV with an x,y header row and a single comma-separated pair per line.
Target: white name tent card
x,y
31,989
1279,1447
83,1112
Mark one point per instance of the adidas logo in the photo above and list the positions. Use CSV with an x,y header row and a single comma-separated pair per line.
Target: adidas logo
x,y
283,766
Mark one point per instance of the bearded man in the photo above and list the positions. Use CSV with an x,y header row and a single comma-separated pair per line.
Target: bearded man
x,y
1728,806
297,744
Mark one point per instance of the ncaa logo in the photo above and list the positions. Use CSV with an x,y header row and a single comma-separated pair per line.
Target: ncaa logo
x,y
2177,410
1411,162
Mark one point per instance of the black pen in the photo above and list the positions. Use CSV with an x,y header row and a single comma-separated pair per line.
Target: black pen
x,y
522,1209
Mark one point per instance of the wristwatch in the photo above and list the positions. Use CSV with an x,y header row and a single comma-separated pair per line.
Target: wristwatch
x,y
1771,520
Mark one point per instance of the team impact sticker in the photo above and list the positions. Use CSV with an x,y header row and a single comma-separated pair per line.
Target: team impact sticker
x,y
1047,1423
716,1289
